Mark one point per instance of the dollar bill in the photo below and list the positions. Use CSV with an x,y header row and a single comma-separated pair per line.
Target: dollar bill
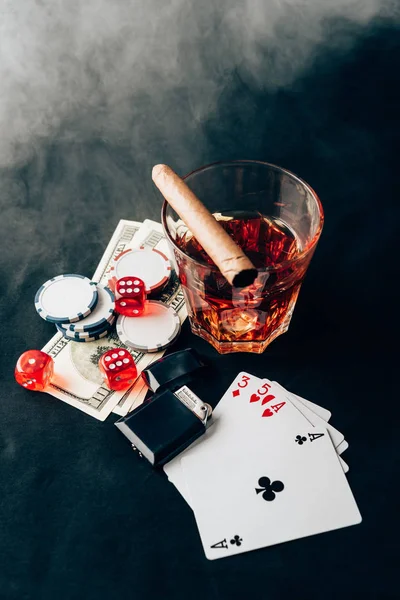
x,y
77,379
151,236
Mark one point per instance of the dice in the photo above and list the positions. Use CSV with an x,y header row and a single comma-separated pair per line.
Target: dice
x,y
34,370
128,307
118,369
130,295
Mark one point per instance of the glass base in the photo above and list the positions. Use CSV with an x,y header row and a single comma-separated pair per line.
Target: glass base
x,y
229,347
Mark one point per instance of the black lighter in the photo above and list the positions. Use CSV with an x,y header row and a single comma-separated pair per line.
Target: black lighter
x,y
174,416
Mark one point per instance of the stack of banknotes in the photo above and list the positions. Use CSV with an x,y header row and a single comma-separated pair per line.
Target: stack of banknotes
x,y
77,379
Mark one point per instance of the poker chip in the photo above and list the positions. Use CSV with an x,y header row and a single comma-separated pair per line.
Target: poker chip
x,y
107,325
155,330
101,315
66,298
82,339
148,264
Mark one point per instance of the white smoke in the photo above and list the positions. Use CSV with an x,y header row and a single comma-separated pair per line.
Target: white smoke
x,y
75,67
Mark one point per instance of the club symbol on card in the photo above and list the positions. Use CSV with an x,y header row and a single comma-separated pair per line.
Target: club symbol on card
x,y
236,540
300,439
269,489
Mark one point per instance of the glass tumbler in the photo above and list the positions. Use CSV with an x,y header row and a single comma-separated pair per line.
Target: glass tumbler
x,y
277,219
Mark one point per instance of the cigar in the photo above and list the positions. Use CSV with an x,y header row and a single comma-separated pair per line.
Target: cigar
x,y
234,265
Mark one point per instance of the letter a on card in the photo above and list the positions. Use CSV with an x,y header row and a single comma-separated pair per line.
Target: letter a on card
x,y
315,436
221,544
277,407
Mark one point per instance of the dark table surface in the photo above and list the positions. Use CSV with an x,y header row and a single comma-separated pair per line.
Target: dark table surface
x,y
80,515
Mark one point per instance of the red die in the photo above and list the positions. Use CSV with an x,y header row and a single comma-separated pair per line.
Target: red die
x,y
129,307
118,369
34,370
130,293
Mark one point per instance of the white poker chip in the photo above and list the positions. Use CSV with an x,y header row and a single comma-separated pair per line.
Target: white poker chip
x,y
148,264
101,316
66,298
155,330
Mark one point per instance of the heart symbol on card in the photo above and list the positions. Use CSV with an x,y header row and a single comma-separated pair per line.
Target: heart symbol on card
x,y
267,399
267,413
254,398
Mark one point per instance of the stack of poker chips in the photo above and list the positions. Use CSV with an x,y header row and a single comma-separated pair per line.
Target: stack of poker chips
x,y
85,311
82,310
159,325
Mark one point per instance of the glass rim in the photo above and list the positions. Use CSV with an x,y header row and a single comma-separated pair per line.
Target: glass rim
x,y
230,163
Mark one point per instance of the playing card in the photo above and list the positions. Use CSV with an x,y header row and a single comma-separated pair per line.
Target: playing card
x,y
336,436
238,407
342,447
257,401
266,393
322,412
236,418
246,378
274,489
174,472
